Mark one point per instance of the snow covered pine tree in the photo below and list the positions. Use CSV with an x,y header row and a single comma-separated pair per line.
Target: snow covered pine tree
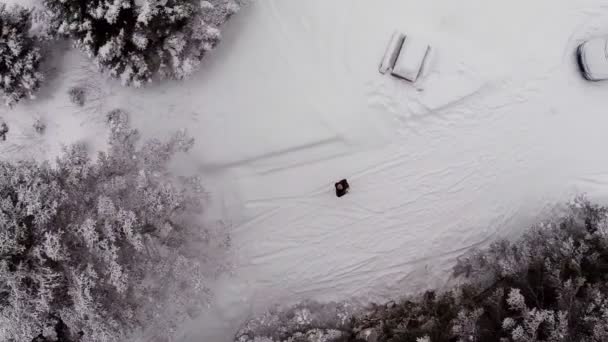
x,y
19,56
135,40
95,250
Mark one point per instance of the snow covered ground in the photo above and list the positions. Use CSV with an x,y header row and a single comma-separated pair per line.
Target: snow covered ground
x,y
500,128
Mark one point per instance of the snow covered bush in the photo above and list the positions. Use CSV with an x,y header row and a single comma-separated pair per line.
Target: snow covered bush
x,y
19,56
77,95
93,250
423,318
39,126
3,131
134,40
304,322
551,285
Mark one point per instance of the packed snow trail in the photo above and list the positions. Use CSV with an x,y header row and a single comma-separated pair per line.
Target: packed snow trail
x,y
500,128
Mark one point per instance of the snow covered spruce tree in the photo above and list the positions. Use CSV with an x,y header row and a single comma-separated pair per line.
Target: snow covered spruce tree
x,y
135,40
96,250
19,56
551,285
305,322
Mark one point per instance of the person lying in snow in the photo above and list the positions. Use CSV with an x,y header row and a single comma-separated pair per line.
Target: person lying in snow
x,y
342,188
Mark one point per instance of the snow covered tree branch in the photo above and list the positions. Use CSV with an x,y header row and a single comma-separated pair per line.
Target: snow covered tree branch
x,y
102,247
19,56
136,40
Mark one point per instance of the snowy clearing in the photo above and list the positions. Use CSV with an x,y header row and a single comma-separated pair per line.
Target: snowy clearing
x,y
498,129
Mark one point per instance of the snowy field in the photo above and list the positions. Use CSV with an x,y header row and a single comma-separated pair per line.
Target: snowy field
x,y
499,129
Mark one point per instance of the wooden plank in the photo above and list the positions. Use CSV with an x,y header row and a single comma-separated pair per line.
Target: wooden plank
x,y
410,60
392,52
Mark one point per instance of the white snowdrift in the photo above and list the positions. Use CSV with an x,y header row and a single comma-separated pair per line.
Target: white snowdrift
x,y
499,128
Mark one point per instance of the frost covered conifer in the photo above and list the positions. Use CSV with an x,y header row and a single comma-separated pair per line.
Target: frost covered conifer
x,y
136,40
101,248
3,131
304,322
19,57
